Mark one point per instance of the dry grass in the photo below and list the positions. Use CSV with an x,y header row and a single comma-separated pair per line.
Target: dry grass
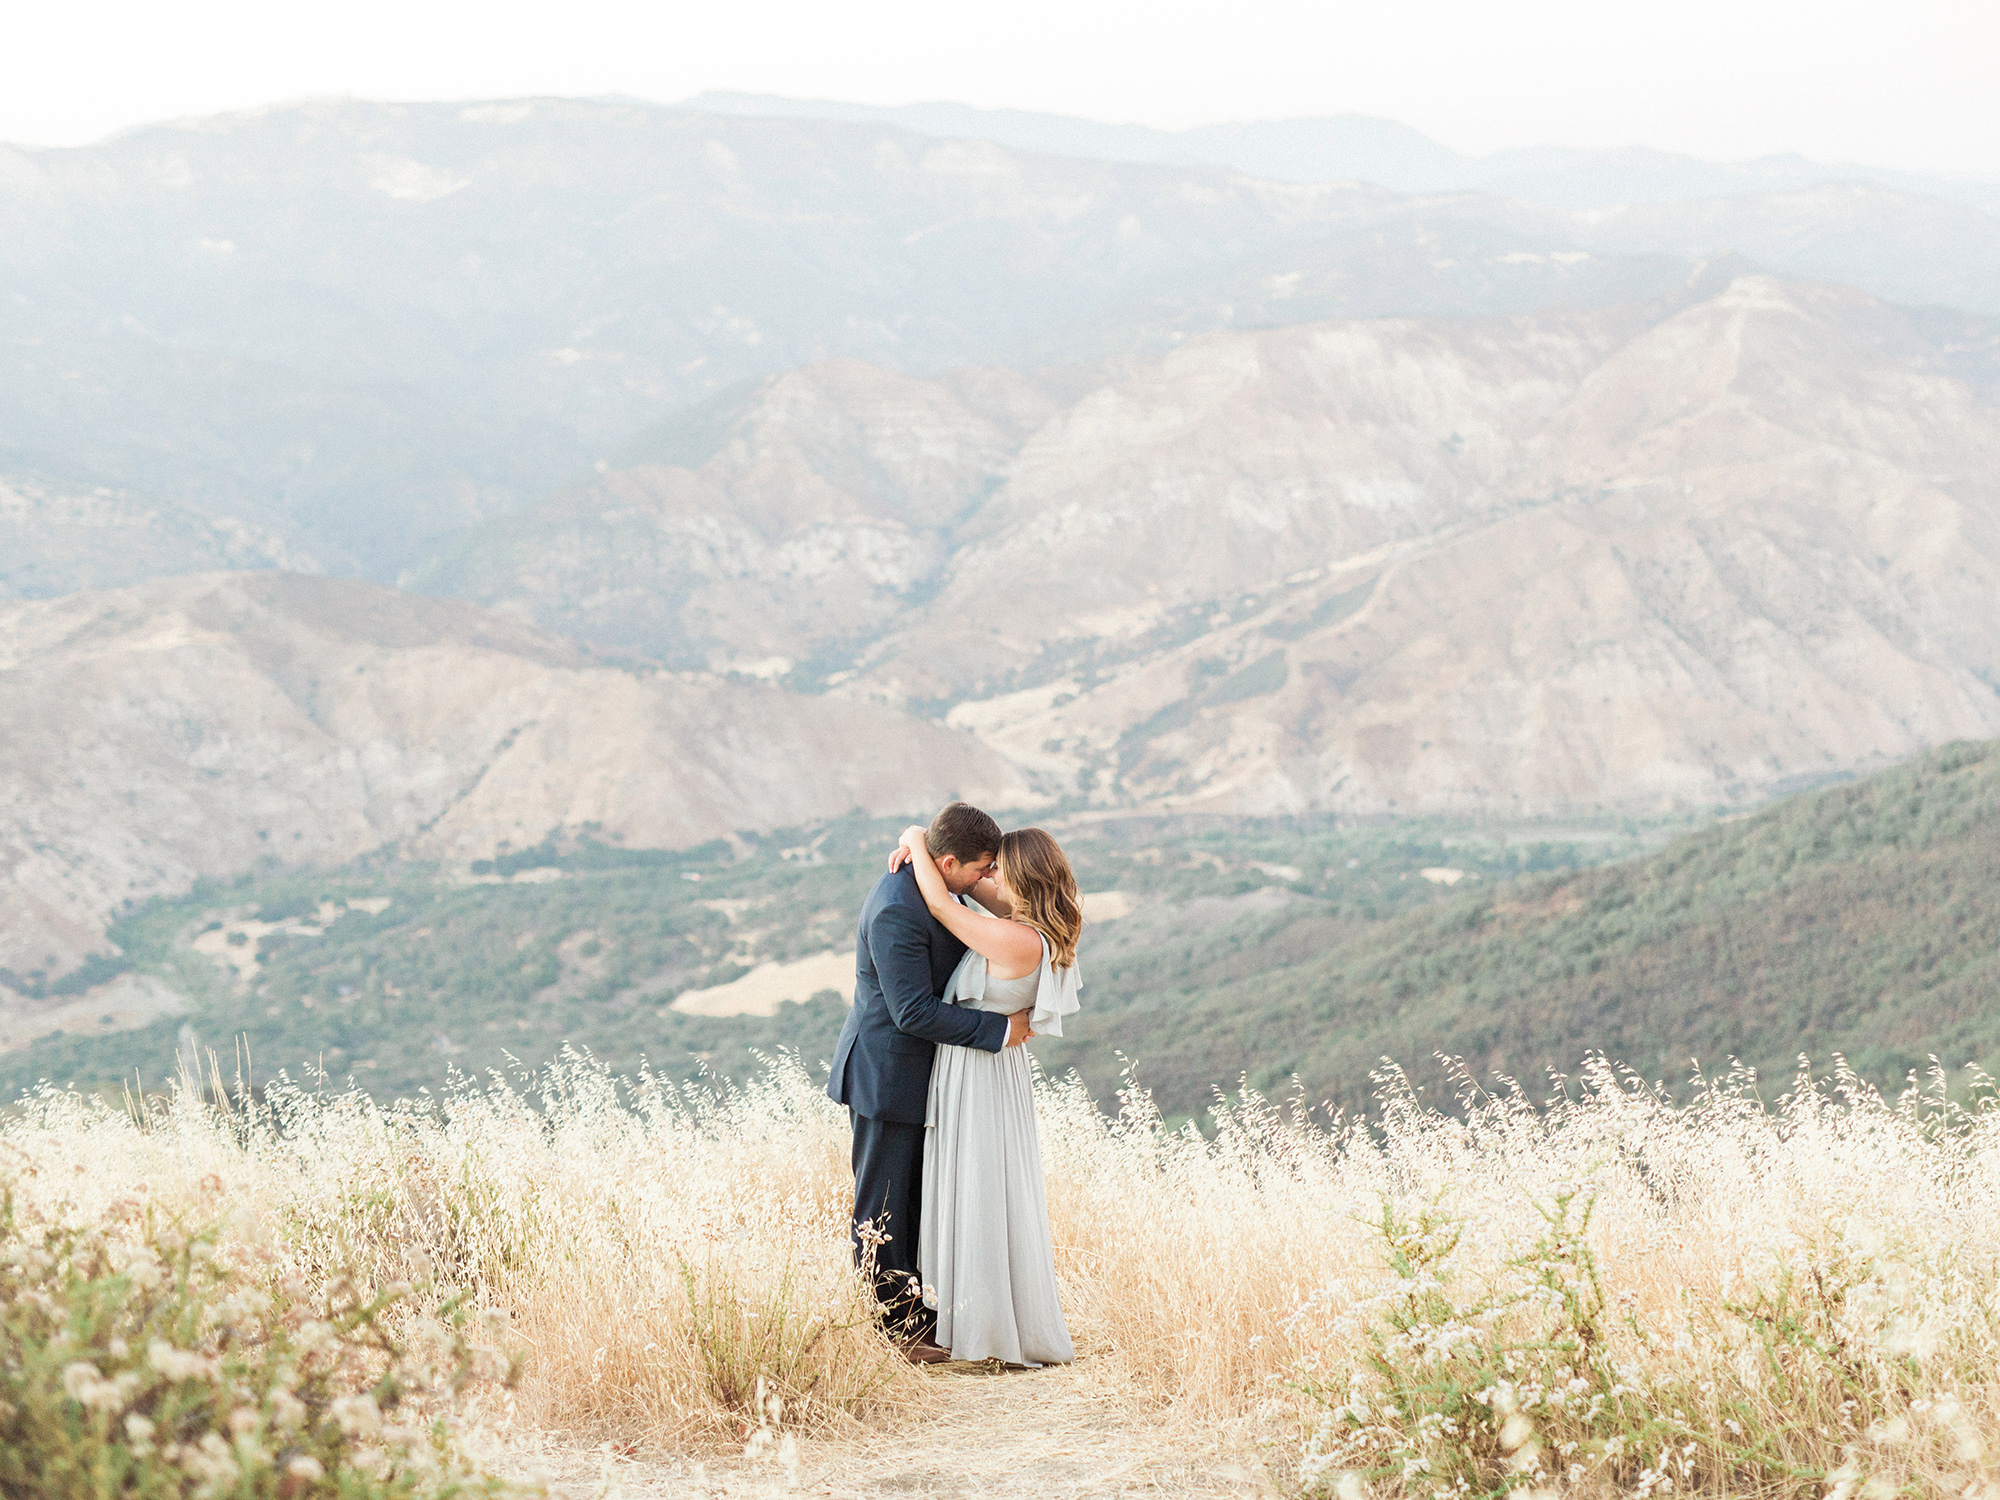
x,y
1800,1299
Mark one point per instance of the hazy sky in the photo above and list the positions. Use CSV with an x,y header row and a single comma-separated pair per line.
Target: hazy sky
x,y
1905,84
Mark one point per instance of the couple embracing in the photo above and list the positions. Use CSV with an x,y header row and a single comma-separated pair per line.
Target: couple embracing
x,y
967,947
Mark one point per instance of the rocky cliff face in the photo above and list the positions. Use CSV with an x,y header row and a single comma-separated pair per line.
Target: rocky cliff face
x,y
1663,555
198,726
364,326
1292,496
784,525
1644,567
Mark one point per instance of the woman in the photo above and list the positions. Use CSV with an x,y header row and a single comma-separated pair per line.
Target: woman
x,y
983,1247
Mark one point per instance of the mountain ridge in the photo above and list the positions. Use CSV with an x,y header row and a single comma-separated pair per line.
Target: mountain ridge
x,y
1323,148
1668,554
364,331
1860,920
204,726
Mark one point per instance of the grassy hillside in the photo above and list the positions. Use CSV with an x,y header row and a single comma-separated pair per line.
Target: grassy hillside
x,y
395,976
1863,920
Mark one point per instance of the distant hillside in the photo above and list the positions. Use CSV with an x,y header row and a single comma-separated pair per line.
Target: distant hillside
x,y
396,972
1678,553
1862,920
1364,148
210,725
361,326
1897,234
341,332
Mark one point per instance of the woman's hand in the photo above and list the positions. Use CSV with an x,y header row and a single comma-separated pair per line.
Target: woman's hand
x,y
900,855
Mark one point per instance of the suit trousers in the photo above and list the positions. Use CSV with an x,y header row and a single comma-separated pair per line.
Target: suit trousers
x,y
888,1202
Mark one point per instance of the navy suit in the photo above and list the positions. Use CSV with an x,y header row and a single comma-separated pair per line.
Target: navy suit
x,y
903,959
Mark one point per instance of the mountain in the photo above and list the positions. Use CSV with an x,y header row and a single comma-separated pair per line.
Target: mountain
x,y
1896,244
1440,259
1632,176
57,539
1332,148
1530,565
1899,235
1863,921
362,326
1364,148
788,522
1668,555
349,335
203,726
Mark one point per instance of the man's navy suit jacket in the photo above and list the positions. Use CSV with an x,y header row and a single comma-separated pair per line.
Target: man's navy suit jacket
x,y
903,959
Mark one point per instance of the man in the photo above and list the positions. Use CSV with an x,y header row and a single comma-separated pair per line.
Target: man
x,y
903,959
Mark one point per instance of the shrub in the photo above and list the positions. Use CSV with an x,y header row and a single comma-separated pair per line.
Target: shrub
x,y
139,1359
1824,1357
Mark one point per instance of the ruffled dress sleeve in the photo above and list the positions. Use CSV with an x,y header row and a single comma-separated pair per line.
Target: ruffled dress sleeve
x,y
968,980
1055,995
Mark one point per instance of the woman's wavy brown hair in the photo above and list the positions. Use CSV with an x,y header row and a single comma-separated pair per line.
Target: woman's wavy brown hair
x,y
1043,886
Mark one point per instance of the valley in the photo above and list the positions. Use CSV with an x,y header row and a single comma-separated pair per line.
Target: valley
x,y
393,975
1854,923
1676,554
207,726
431,534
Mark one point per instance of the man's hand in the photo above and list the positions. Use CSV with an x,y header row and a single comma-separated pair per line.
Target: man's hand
x,y
1017,1028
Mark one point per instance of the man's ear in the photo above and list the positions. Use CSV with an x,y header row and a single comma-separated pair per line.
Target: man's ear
x,y
947,865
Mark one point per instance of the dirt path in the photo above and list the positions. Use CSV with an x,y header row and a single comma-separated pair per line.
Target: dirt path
x,y
1053,1434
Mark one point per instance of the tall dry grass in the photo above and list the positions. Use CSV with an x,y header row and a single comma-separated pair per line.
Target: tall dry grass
x,y
1603,1295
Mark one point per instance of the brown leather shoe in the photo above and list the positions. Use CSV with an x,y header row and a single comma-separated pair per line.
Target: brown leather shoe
x,y
923,1352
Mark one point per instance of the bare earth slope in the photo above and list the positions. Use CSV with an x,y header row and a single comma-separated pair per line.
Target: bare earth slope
x,y
56,539
782,523
1662,566
196,726
1674,553
364,325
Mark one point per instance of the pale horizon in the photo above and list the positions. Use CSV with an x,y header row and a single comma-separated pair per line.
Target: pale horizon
x,y
1708,80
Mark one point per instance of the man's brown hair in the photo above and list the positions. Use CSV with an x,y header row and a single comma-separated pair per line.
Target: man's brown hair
x,y
963,832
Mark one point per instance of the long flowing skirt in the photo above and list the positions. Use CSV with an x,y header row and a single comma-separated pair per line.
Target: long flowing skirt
x,y
983,1250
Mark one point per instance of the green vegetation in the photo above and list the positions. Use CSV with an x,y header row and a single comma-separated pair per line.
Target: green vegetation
x,y
1862,920
135,1360
397,976
1483,1393
450,976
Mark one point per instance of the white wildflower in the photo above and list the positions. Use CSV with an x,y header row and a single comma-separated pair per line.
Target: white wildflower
x,y
87,1387
180,1364
357,1415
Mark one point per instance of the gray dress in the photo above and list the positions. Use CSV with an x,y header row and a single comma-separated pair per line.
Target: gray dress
x,y
983,1248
